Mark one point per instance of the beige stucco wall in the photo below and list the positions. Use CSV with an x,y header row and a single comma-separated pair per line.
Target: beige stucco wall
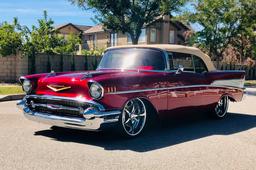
x,y
102,40
69,30
162,31
121,39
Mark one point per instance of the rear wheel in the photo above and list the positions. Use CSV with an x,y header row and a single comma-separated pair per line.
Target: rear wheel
x,y
133,118
220,110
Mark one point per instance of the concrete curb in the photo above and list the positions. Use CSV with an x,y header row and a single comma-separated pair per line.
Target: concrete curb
x,y
4,98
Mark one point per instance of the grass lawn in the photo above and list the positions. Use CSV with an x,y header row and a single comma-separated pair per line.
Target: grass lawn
x,y
10,89
249,83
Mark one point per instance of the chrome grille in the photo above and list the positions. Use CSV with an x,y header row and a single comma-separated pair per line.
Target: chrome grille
x,y
58,112
57,106
59,102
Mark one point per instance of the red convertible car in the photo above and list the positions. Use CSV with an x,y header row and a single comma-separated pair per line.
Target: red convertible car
x,y
132,85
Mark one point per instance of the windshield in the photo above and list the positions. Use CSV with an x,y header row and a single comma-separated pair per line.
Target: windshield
x,y
133,58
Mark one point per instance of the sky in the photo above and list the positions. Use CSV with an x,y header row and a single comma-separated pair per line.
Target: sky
x,y
28,11
60,11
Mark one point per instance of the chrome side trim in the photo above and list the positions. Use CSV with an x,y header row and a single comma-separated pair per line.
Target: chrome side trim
x,y
239,83
173,88
57,98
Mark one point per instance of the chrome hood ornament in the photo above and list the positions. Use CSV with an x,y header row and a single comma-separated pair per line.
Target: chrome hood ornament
x,y
57,88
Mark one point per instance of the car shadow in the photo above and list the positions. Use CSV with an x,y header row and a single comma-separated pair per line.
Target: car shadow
x,y
169,134
251,93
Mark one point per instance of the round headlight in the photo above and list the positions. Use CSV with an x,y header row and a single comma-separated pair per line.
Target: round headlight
x,y
96,91
27,86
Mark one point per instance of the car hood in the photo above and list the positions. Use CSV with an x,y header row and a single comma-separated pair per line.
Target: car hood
x,y
75,84
85,75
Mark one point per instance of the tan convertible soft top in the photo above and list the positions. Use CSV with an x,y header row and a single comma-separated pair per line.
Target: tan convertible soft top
x,y
176,48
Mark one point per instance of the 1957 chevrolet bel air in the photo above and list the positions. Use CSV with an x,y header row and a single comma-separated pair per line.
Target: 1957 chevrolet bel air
x,y
131,84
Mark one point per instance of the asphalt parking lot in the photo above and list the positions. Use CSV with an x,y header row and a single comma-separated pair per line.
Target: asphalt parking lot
x,y
196,142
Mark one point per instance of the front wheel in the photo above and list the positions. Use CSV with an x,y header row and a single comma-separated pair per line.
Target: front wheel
x,y
220,110
133,118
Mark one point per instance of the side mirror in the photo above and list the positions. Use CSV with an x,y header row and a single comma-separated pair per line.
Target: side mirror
x,y
180,69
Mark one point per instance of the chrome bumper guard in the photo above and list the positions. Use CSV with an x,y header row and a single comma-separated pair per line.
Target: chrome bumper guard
x,y
91,119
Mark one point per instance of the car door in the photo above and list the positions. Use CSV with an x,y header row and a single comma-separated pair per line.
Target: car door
x,y
185,87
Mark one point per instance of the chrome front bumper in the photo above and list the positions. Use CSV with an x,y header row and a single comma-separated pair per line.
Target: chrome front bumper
x,y
91,120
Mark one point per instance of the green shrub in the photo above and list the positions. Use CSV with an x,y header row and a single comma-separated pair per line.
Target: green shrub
x,y
10,40
96,52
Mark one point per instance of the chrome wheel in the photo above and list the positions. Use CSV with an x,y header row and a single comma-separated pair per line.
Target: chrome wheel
x,y
134,117
222,107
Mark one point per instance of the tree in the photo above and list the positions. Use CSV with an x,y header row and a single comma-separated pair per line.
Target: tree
x,y
69,44
219,20
45,39
30,42
129,16
42,39
10,40
245,41
227,25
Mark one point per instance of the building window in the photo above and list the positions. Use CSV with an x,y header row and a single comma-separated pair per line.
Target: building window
x,y
171,37
152,35
129,40
94,41
142,37
113,39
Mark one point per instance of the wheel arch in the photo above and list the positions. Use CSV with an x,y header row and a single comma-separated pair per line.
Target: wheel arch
x,y
149,106
147,102
230,97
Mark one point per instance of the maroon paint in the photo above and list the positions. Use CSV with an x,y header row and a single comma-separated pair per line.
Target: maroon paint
x,y
125,80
